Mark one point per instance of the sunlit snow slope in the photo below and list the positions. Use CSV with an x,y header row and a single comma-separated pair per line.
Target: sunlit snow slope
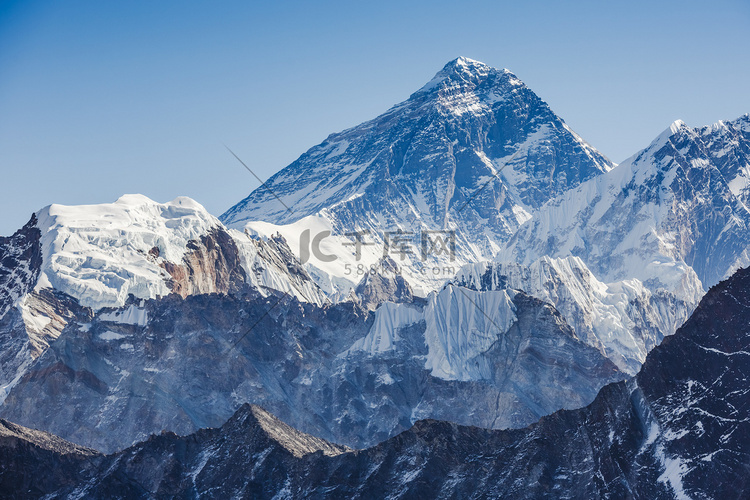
x,y
100,254
675,215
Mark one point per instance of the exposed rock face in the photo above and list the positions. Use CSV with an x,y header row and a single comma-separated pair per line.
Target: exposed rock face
x,y
29,320
478,359
384,285
179,364
211,265
185,364
46,313
264,449
681,429
20,262
272,266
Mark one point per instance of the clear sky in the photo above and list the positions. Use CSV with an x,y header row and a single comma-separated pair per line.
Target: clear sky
x,y
98,99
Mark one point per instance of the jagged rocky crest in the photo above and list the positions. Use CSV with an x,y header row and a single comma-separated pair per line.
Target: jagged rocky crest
x,y
20,262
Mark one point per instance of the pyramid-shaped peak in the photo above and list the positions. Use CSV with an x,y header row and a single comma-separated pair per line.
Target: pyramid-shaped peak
x,y
250,416
431,151
676,128
466,63
462,71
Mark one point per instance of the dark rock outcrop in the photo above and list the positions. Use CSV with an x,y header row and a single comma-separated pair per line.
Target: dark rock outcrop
x,y
211,265
183,364
384,284
20,262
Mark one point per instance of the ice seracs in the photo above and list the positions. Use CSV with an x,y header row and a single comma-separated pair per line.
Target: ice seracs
x,y
623,320
460,325
101,254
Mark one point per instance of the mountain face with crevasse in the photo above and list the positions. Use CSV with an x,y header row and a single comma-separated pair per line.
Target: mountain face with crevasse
x,y
679,429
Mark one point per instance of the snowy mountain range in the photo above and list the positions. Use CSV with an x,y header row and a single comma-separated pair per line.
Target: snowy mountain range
x,y
675,215
133,317
464,257
495,359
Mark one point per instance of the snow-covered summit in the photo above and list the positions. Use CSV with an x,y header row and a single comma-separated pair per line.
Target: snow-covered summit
x,y
675,215
676,126
459,70
474,151
425,138
101,254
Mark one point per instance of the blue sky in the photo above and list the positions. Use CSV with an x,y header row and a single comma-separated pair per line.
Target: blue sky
x,y
98,99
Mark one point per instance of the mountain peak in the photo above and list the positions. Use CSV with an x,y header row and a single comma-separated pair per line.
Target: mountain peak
x,y
462,71
434,162
676,126
465,63
297,443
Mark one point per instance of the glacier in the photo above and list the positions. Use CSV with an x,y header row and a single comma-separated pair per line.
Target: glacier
x,y
101,254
